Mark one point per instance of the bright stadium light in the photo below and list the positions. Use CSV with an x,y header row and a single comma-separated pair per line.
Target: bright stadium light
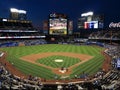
x,y
22,11
87,14
14,10
17,11
5,20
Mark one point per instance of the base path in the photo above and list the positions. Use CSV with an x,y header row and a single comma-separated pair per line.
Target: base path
x,y
33,57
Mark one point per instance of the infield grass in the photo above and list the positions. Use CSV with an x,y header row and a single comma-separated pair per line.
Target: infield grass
x,y
52,61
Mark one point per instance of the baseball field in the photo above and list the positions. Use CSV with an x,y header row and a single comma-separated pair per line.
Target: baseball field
x,y
50,60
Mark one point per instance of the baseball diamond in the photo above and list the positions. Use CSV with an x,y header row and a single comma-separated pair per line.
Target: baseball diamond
x,y
39,60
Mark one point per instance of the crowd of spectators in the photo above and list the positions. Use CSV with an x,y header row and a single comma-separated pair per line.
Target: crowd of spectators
x,y
12,82
18,34
11,43
105,34
16,24
111,80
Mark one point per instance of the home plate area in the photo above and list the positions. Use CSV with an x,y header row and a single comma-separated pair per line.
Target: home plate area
x,y
63,70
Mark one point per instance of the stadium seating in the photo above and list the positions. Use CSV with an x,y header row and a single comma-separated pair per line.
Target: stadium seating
x,y
106,34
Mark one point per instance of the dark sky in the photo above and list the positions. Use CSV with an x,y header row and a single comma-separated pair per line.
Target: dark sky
x,y
38,10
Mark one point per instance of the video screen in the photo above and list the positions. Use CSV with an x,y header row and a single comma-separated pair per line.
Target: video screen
x,y
91,25
57,26
118,63
91,22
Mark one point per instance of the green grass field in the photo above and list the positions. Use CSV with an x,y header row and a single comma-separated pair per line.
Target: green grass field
x,y
50,61
90,67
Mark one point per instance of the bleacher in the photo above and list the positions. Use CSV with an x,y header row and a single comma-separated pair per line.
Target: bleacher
x,y
105,34
12,32
6,24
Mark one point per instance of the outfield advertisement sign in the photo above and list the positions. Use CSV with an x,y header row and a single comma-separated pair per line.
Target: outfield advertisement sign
x,y
15,37
114,25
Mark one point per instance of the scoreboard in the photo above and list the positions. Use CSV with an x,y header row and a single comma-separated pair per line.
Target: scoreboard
x,y
91,22
58,24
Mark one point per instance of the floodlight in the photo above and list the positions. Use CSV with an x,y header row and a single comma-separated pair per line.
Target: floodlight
x,y
22,11
4,20
14,10
87,14
17,11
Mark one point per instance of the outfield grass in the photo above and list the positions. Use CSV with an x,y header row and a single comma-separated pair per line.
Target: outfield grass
x,y
90,67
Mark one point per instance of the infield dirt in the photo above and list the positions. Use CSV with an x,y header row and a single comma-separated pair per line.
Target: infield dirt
x,y
33,57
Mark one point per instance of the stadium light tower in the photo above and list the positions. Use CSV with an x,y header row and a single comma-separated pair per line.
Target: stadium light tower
x,y
17,14
17,11
22,15
13,10
14,13
22,11
87,14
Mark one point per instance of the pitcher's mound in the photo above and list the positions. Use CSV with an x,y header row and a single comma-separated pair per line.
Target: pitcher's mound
x,y
58,60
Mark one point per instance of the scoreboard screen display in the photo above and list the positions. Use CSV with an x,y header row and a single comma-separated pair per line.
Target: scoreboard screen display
x,y
91,22
57,26
118,63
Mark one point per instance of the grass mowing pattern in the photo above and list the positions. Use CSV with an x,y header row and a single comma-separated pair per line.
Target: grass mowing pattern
x,y
89,67
50,61
14,53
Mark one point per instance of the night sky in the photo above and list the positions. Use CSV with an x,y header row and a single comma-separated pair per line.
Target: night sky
x,y
38,10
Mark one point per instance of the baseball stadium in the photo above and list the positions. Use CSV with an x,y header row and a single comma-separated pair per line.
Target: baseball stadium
x,y
60,59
